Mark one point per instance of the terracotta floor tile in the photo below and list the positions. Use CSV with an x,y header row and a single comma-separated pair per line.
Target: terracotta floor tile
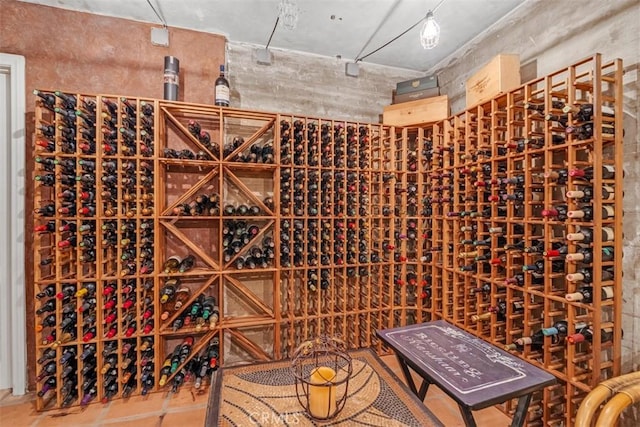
x,y
7,399
187,396
133,421
188,408
194,417
135,405
445,408
74,416
23,414
449,420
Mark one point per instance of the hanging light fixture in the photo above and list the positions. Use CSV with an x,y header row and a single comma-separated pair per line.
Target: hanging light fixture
x,y
288,13
430,33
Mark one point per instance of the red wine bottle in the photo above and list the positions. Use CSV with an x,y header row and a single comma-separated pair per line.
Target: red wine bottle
x,y
558,213
222,89
586,334
607,171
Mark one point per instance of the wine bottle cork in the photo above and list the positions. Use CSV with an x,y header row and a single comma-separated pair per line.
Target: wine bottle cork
x,y
524,340
552,175
468,254
608,212
575,214
575,257
575,236
575,194
575,296
478,317
575,277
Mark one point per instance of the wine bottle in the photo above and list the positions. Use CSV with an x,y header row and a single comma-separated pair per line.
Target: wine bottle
x,y
585,235
558,252
168,290
538,267
90,394
172,264
222,90
479,317
607,172
562,119
560,176
558,330
46,371
47,307
181,353
64,338
540,107
501,309
585,294
585,255
586,334
48,164
536,341
557,213
48,100
586,275
585,130
586,213
187,264
586,194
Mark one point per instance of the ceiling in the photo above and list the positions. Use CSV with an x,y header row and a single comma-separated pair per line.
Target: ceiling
x,y
346,28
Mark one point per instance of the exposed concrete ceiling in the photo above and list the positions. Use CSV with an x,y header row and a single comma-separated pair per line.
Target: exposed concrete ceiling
x,y
346,28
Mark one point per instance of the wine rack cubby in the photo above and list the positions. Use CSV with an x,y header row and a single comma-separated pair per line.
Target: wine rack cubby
x,y
172,237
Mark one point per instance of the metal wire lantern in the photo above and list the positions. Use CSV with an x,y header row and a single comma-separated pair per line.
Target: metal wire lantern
x,y
322,369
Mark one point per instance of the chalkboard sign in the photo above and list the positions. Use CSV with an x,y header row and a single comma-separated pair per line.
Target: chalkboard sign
x,y
473,371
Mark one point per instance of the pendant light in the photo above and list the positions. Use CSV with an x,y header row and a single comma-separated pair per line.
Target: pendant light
x,y
430,33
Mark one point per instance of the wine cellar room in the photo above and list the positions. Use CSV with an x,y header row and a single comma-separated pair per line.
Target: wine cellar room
x,y
296,212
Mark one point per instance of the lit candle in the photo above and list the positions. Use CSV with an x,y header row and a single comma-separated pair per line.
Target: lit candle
x,y
322,398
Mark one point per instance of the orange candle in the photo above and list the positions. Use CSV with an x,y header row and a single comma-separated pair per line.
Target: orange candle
x,y
322,398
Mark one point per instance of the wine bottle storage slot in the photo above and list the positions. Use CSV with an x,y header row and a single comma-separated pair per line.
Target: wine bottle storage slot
x,y
167,232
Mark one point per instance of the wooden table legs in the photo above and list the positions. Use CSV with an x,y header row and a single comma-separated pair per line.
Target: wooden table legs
x,y
467,415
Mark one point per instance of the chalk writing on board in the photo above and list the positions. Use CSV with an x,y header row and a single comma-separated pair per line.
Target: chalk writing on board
x,y
466,363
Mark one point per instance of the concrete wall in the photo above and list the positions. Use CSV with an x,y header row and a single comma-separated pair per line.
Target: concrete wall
x,y
310,85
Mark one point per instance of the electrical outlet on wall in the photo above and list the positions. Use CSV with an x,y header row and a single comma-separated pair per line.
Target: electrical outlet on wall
x,y
160,37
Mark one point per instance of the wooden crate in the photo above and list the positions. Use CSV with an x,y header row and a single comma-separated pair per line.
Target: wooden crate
x,y
418,112
500,75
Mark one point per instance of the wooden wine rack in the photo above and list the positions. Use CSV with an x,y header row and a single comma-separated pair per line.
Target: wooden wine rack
x,y
366,229
468,155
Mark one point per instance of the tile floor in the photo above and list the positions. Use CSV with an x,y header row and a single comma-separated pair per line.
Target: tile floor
x,y
188,409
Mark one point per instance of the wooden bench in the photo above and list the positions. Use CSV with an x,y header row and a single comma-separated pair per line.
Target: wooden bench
x,y
473,372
